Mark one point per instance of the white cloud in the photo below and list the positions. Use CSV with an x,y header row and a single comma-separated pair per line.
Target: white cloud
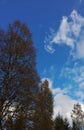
x,y
70,33
62,35
63,104
59,90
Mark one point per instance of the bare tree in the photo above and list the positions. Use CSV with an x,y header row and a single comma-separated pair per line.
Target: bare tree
x,y
77,116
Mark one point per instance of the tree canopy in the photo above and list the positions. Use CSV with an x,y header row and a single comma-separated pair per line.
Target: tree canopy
x,y
18,75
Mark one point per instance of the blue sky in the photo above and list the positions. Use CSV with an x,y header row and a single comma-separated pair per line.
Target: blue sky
x,y
57,28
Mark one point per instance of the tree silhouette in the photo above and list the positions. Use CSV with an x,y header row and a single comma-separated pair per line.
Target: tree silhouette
x,y
43,115
18,76
61,123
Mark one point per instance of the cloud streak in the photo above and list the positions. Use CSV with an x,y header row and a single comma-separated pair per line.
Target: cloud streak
x,y
70,33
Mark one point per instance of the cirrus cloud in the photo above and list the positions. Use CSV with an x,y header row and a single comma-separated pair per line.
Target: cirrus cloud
x,y
70,33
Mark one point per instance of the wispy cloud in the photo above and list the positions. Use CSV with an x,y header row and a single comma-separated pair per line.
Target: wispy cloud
x,y
75,77
48,39
76,73
70,33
